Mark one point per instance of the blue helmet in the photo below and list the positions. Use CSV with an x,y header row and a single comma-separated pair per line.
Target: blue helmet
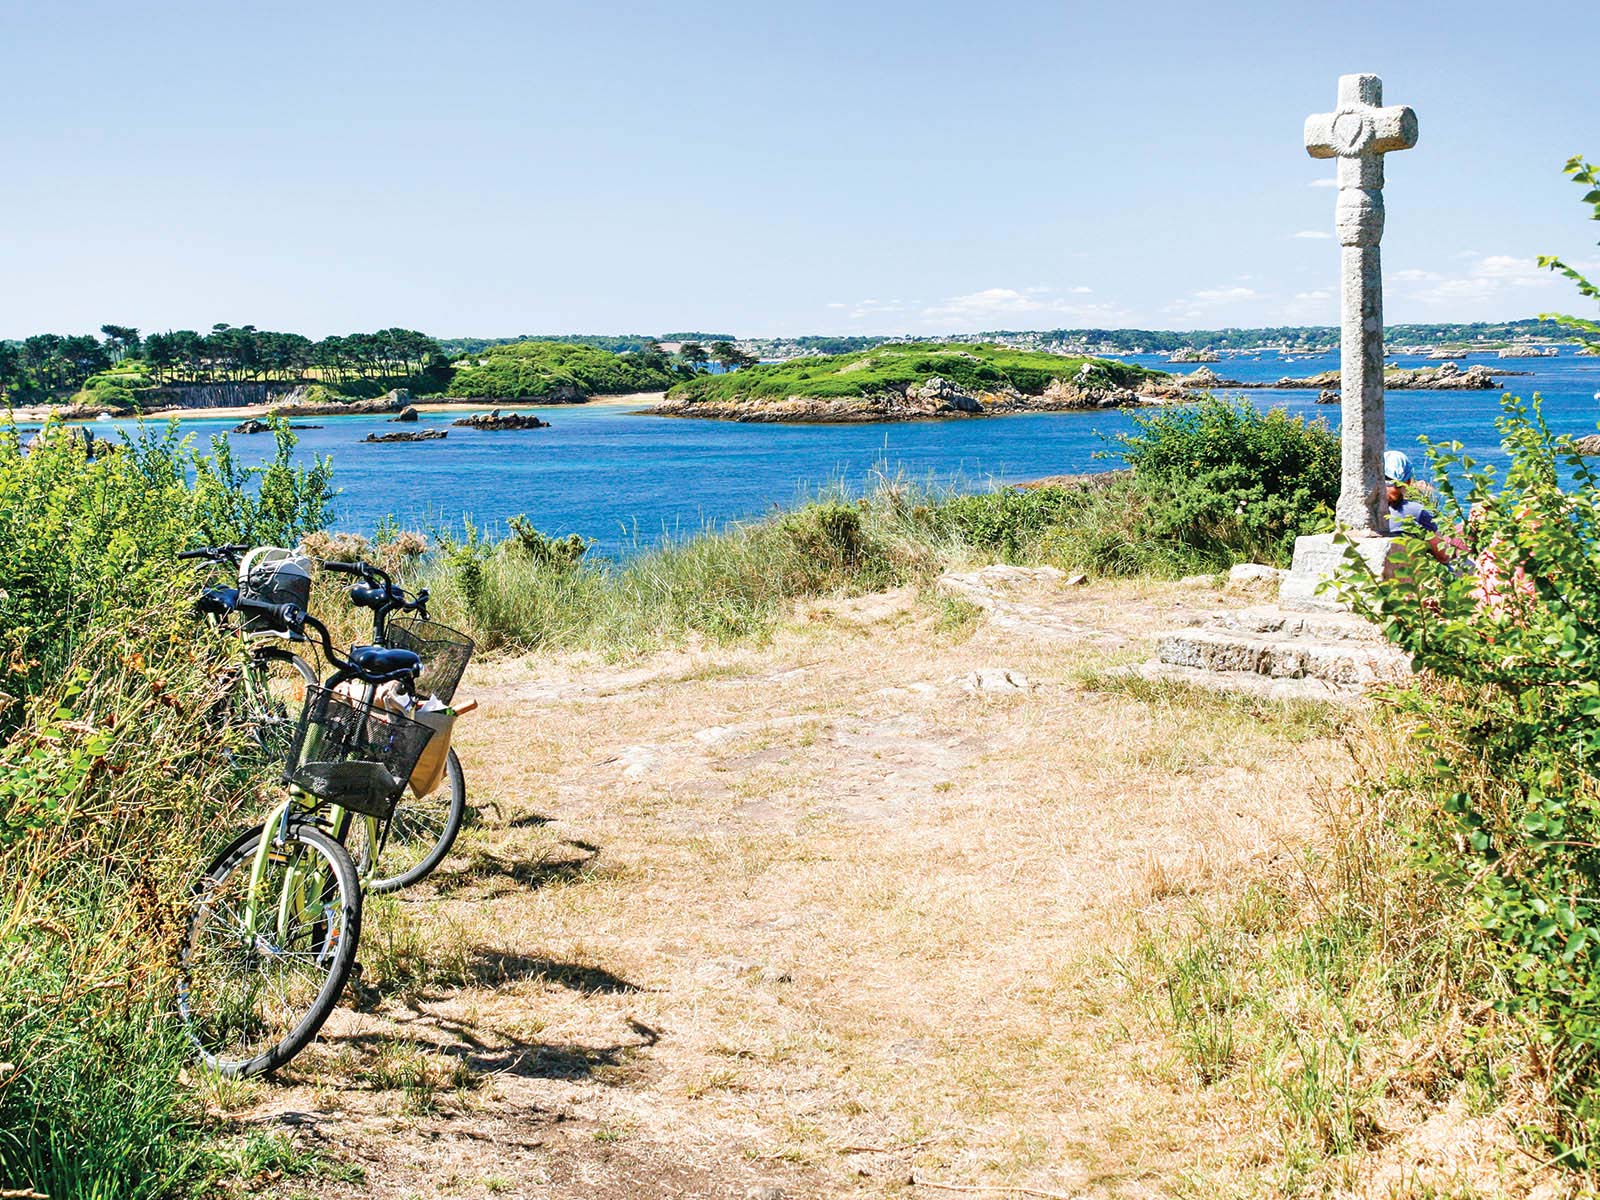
x,y
1396,466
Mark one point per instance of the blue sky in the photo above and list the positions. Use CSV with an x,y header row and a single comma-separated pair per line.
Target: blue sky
x,y
820,167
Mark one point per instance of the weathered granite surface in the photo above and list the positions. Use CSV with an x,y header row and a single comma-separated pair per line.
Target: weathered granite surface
x,y
407,435
933,399
495,419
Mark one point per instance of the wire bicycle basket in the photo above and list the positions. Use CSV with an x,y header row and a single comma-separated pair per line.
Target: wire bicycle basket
x,y
350,753
445,653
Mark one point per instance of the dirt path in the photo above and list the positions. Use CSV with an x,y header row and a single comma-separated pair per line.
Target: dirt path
x,y
820,918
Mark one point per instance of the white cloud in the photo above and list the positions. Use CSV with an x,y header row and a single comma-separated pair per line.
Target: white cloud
x,y
976,309
1223,295
1313,233
1318,294
1481,280
1325,183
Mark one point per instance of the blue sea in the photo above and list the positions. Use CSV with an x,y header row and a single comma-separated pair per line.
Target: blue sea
x,y
629,480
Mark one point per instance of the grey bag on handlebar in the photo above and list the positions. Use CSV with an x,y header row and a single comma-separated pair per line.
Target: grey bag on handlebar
x,y
273,575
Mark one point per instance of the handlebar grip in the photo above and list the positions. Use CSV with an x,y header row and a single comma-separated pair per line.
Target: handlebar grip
x,y
188,554
344,568
289,616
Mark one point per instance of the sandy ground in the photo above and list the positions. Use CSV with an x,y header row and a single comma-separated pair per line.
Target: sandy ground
x,y
241,412
840,915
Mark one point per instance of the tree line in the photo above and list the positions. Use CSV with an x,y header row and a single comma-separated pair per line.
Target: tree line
x,y
49,364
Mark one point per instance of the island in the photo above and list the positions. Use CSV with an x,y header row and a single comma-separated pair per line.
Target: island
x,y
914,382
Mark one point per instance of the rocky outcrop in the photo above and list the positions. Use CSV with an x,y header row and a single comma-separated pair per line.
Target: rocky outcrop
x,y
933,399
255,426
389,402
407,435
1447,377
1190,355
1588,444
495,419
1093,481
408,413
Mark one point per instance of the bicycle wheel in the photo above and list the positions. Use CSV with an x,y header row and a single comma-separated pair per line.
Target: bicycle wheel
x,y
271,689
263,963
421,833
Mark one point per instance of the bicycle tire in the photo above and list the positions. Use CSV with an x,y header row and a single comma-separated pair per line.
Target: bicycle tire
x,y
262,703
451,814
332,946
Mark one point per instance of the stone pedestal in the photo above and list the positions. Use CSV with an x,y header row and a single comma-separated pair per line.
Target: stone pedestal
x,y
1317,557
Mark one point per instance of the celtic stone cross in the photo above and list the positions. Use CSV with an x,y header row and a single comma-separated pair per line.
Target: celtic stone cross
x,y
1359,132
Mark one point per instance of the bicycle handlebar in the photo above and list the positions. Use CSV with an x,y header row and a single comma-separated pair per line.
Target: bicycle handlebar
x,y
394,596
295,619
217,554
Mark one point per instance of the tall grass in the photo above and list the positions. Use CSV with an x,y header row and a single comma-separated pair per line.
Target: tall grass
x,y
740,581
116,783
1343,987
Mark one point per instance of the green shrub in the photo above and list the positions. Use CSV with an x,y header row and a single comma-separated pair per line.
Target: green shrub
x,y
1515,625
1227,481
560,553
115,782
533,370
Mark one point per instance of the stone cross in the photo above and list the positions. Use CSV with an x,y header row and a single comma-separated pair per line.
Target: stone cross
x,y
1359,132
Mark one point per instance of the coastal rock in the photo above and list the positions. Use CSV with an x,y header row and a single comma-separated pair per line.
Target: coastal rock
x,y
251,426
1190,355
1588,444
1090,481
408,413
935,396
408,435
495,419
1446,377
1202,377
1327,396
392,402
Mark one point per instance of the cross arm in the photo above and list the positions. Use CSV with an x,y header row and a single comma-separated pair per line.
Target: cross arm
x,y
1365,130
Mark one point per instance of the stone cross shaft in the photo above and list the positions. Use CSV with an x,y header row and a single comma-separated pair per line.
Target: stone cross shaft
x,y
1359,132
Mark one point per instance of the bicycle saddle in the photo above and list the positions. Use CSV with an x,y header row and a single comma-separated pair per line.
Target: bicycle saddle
x,y
380,660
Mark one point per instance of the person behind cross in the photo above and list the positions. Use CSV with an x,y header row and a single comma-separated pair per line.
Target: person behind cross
x,y
1403,512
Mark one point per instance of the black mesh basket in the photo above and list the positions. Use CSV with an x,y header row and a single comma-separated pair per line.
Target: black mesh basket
x,y
352,754
444,653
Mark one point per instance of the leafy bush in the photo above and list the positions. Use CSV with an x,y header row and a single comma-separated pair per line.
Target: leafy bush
x,y
1227,481
535,370
560,553
1515,625
114,783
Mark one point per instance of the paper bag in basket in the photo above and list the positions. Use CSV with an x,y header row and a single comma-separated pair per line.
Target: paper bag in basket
x,y
432,714
430,764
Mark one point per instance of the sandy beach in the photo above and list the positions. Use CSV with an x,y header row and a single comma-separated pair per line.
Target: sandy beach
x,y
242,412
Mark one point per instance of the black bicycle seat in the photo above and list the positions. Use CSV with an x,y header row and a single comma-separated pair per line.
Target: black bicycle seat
x,y
218,601
380,660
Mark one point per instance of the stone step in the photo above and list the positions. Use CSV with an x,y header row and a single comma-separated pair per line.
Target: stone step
x,y
1266,687
1340,662
1290,623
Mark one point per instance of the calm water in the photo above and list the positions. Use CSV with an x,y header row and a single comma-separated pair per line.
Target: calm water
x,y
627,480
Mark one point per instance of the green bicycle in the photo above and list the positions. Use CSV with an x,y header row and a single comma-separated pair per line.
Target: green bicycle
x,y
265,691
275,919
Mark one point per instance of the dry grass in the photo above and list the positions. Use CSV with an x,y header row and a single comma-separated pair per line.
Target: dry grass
x,y
817,916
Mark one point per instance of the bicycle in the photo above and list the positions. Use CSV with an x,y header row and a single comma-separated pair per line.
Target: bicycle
x,y
424,828
273,680
275,920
